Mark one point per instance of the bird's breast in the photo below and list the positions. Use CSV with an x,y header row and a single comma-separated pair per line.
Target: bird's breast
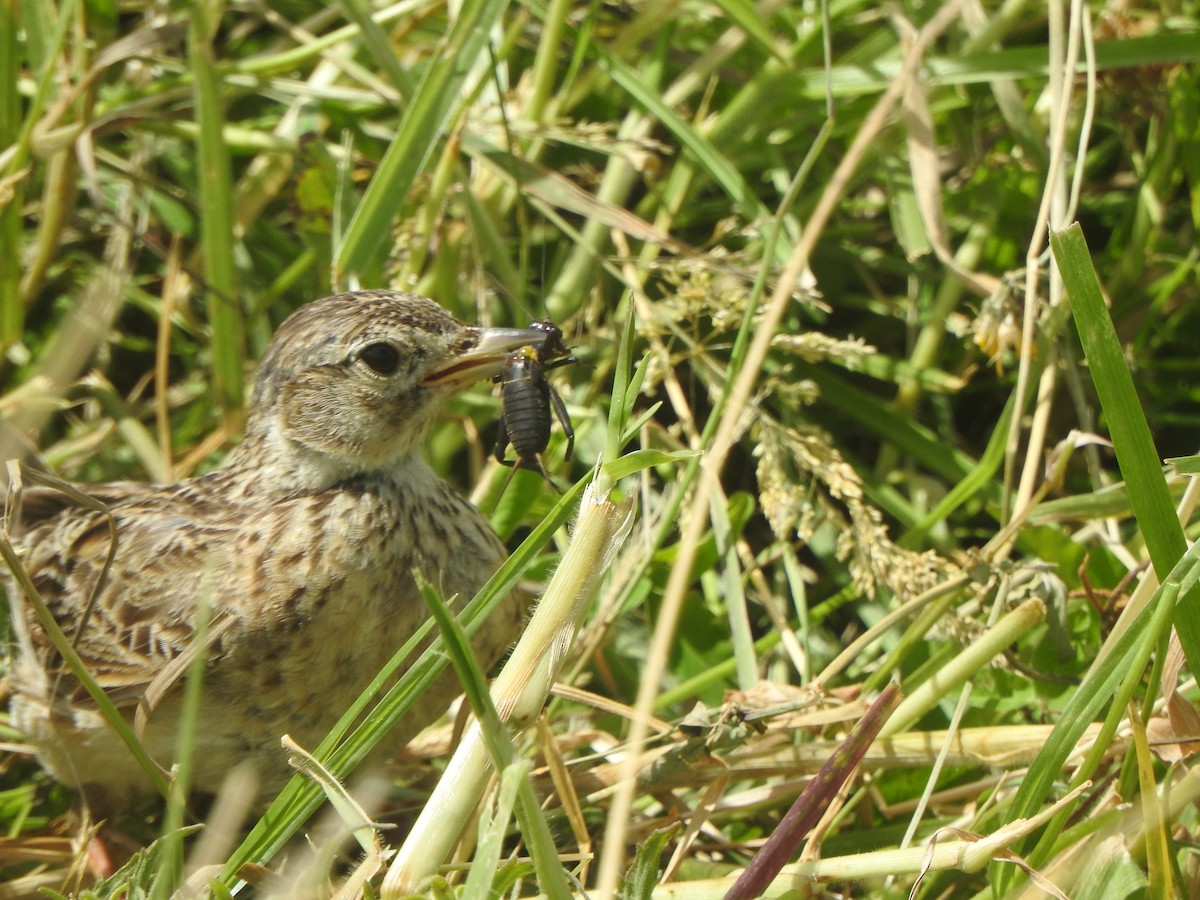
x,y
334,585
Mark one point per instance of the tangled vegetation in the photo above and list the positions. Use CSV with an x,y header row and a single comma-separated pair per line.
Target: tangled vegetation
x,y
869,428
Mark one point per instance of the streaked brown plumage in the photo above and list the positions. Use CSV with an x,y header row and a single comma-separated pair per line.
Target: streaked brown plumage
x,y
302,546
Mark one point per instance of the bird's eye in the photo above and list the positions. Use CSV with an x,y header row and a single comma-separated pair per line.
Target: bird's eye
x,y
382,358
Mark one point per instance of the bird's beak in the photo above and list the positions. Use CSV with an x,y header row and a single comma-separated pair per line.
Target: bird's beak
x,y
482,357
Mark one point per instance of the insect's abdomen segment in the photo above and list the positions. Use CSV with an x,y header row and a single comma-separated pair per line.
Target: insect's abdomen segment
x,y
526,405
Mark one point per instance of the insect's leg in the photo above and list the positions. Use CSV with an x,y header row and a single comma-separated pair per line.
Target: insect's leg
x,y
554,364
564,419
542,468
502,444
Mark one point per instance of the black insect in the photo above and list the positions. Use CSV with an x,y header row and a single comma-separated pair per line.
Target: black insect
x,y
552,347
526,400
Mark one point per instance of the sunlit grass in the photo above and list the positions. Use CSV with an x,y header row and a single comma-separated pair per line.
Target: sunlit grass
x,y
803,255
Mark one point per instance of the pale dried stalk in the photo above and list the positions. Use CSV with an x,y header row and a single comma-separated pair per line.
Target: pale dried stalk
x,y
1053,212
518,692
696,518
967,854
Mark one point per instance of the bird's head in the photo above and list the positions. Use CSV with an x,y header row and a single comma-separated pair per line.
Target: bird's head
x,y
350,384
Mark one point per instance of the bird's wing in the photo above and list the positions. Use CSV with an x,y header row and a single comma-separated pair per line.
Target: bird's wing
x,y
128,620
40,504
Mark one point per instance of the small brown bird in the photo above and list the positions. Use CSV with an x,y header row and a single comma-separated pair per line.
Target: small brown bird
x,y
301,546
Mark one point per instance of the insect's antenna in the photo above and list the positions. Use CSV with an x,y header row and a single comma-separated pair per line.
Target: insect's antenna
x,y
503,488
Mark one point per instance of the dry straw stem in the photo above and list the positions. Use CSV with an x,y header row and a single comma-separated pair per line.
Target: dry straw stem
x,y
1073,868
994,747
815,802
518,692
1054,210
964,854
696,518
350,819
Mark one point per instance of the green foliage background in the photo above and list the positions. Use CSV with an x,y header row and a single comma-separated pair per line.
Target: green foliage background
x,y
175,179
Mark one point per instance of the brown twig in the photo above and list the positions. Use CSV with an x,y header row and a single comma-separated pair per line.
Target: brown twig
x,y
806,811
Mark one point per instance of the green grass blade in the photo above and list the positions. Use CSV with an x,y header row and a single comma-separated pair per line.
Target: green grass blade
x,y
45,36
1141,465
470,675
743,14
971,484
437,100
1126,662
849,80
718,166
12,312
376,41
498,739
623,398
912,438
216,213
